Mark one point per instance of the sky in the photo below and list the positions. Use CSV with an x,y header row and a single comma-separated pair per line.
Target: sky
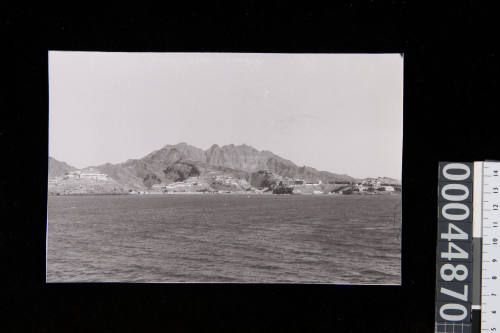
x,y
341,113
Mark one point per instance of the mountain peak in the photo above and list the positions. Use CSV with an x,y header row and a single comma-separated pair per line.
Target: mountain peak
x,y
180,144
242,158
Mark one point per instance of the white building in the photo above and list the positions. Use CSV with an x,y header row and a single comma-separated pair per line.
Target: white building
x,y
92,174
371,182
157,187
73,174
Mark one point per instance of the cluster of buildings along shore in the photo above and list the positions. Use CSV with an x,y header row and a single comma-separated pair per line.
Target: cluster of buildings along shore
x,y
89,173
228,184
297,186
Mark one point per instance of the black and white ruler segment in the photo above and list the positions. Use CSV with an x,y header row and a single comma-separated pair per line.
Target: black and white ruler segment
x,y
455,280
490,272
477,217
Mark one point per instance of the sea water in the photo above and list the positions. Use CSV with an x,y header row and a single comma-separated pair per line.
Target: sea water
x,y
225,238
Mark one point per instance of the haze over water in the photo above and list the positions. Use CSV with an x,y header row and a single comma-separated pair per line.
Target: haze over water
x,y
225,238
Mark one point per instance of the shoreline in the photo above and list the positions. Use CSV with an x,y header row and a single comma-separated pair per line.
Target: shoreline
x,y
230,193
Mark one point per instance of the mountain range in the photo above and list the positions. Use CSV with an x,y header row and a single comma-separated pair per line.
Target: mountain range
x,y
174,163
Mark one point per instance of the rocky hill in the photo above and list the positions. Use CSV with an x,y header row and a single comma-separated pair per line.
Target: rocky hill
x,y
58,169
389,181
218,167
85,186
177,162
249,159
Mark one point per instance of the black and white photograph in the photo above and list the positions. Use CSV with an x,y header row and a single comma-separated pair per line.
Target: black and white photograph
x,y
225,168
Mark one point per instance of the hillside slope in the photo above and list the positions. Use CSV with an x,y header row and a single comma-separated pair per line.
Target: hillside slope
x,y
177,162
58,168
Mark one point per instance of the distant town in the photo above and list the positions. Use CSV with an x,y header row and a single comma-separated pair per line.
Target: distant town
x,y
235,169
91,181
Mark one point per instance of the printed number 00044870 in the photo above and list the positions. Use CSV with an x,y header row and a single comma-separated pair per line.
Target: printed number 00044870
x,y
455,252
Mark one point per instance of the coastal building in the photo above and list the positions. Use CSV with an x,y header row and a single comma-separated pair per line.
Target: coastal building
x,y
287,182
73,174
95,176
292,182
371,182
362,187
226,180
191,181
92,173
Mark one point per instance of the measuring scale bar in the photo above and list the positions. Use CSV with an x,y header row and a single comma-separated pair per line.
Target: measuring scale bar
x,y
490,269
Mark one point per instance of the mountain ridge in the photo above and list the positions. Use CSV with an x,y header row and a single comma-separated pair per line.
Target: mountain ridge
x,y
177,162
58,168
